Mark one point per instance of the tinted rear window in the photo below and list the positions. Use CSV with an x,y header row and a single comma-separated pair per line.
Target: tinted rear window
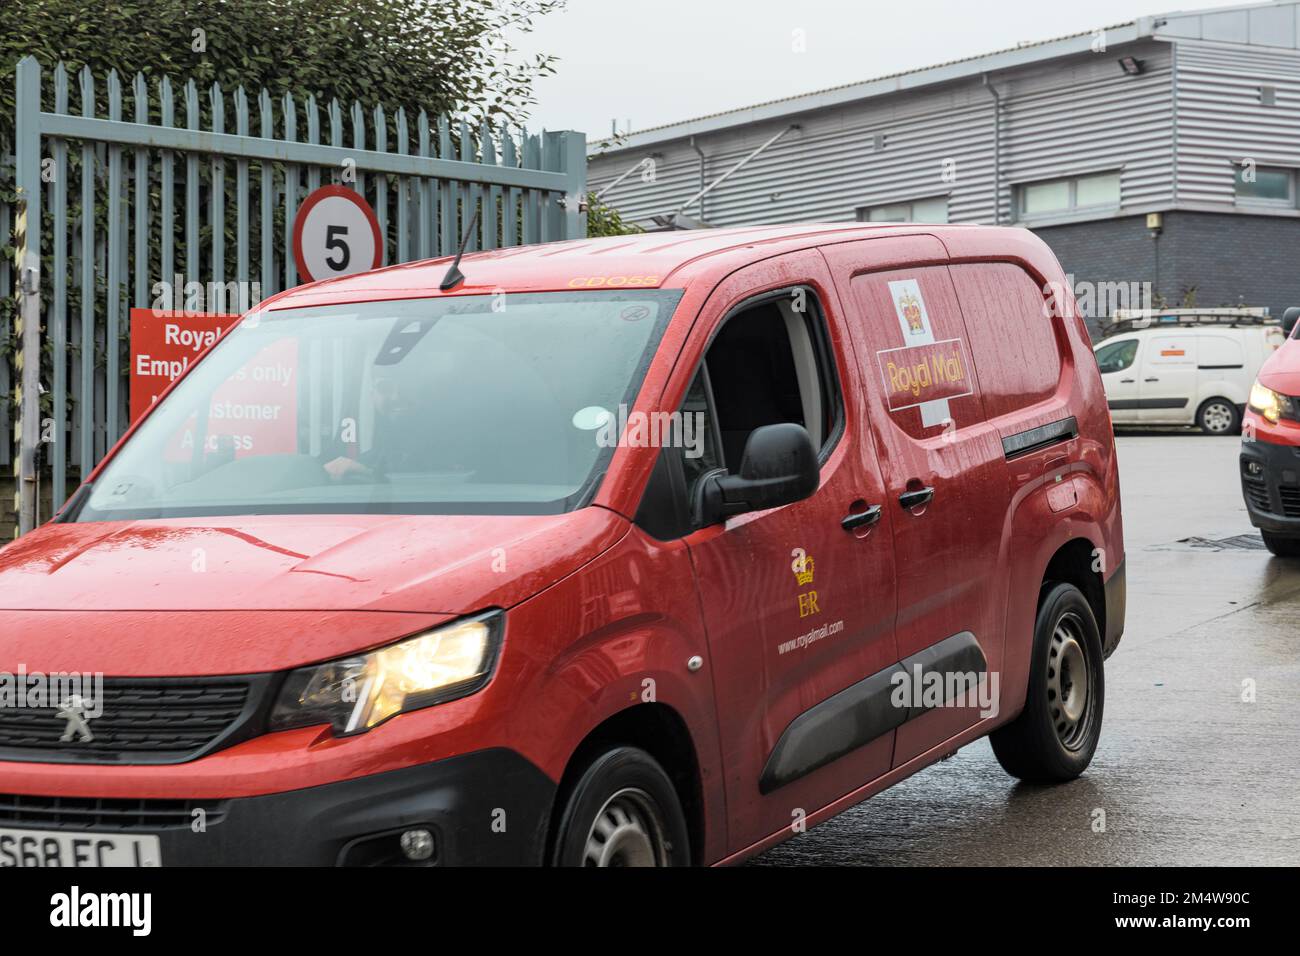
x,y
1013,341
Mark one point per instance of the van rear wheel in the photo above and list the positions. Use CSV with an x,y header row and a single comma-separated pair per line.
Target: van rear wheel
x,y
622,811
1218,416
1055,736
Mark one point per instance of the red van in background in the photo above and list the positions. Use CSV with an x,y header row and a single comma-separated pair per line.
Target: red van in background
x,y
650,550
1270,446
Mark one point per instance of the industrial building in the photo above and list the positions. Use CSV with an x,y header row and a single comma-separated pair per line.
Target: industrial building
x,y
1164,150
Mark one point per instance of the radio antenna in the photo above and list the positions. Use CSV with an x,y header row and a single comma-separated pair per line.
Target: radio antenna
x,y
454,276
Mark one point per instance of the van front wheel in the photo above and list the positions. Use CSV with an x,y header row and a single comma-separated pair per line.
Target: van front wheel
x,y
622,811
1055,736
1281,545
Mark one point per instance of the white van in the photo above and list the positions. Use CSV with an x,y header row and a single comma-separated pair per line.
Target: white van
x,y
1184,368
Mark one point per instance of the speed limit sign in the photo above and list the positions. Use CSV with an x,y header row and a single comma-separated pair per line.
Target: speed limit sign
x,y
336,234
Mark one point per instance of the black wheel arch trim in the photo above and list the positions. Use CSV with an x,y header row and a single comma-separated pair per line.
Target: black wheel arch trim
x,y
1116,590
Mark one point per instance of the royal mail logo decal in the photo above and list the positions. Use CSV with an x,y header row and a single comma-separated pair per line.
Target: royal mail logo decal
x,y
916,374
913,313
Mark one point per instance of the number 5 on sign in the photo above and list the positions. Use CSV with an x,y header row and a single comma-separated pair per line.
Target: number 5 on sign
x,y
336,234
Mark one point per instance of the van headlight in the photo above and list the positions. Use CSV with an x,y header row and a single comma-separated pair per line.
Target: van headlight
x,y
1267,402
356,693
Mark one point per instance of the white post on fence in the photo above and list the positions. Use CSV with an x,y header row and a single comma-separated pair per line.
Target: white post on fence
x,y
573,162
28,234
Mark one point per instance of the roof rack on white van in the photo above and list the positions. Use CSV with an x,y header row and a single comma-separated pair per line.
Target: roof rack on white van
x,y
1129,320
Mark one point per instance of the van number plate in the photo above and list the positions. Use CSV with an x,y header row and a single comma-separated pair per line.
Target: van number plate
x,y
29,848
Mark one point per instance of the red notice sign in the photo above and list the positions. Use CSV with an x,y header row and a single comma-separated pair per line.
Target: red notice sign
x,y
165,344
253,412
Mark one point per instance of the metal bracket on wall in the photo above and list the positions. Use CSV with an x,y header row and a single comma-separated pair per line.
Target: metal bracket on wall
x,y
740,165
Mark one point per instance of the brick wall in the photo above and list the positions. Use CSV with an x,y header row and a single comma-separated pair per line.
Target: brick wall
x,y
1230,259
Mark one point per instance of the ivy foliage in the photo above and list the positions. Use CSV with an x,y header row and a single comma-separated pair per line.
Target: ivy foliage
x,y
442,56
605,220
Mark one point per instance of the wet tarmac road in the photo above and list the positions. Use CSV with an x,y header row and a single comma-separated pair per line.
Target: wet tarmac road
x,y
1186,772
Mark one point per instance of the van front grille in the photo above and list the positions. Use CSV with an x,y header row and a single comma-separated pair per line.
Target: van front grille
x,y
142,720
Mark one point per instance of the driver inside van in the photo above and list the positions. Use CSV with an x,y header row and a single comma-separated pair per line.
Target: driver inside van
x,y
386,451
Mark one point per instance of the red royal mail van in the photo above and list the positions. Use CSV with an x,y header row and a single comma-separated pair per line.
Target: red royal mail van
x,y
1270,446
647,550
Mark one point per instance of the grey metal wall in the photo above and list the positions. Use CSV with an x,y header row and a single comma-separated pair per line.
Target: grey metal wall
x,y
1221,120
1084,114
1071,114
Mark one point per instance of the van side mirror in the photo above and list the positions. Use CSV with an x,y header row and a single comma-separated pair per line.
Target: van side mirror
x,y
779,466
1289,318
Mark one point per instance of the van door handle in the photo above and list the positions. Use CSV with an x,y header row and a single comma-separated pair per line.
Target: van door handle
x,y
861,519
1150,379
914,499
1127,381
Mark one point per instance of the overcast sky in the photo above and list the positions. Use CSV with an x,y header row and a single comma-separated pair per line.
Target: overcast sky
x,y
658,61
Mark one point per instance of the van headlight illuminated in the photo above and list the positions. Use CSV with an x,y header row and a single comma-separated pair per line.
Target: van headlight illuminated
x,y
356,693
1267,402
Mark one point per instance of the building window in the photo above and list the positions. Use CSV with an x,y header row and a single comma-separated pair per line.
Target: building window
x,y
1265,185
1078,194
919,210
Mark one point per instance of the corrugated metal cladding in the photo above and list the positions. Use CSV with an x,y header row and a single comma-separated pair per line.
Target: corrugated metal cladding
x,y
1223,121
1061,115
1084,114
1078,114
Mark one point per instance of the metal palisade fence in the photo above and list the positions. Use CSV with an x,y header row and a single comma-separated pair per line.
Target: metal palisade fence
x,y
202,188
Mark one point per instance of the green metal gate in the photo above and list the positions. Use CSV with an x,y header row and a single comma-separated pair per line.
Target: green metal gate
x,y
150,199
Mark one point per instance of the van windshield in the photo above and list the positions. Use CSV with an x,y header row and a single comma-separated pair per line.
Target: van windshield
x,y
486,404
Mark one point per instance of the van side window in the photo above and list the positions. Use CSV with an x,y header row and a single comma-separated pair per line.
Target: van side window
x,y
704,454
1117,356
752,368
769,363
1012,335
907,320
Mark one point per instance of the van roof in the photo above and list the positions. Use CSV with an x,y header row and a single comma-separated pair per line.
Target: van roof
x,y
649,258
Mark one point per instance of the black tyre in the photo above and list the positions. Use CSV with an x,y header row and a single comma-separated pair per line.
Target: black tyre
x,y
1281,545
622,810
1055,736
1218,416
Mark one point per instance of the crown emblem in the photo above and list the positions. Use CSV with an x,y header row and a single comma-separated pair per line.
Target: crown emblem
x,y
911,307
803,571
